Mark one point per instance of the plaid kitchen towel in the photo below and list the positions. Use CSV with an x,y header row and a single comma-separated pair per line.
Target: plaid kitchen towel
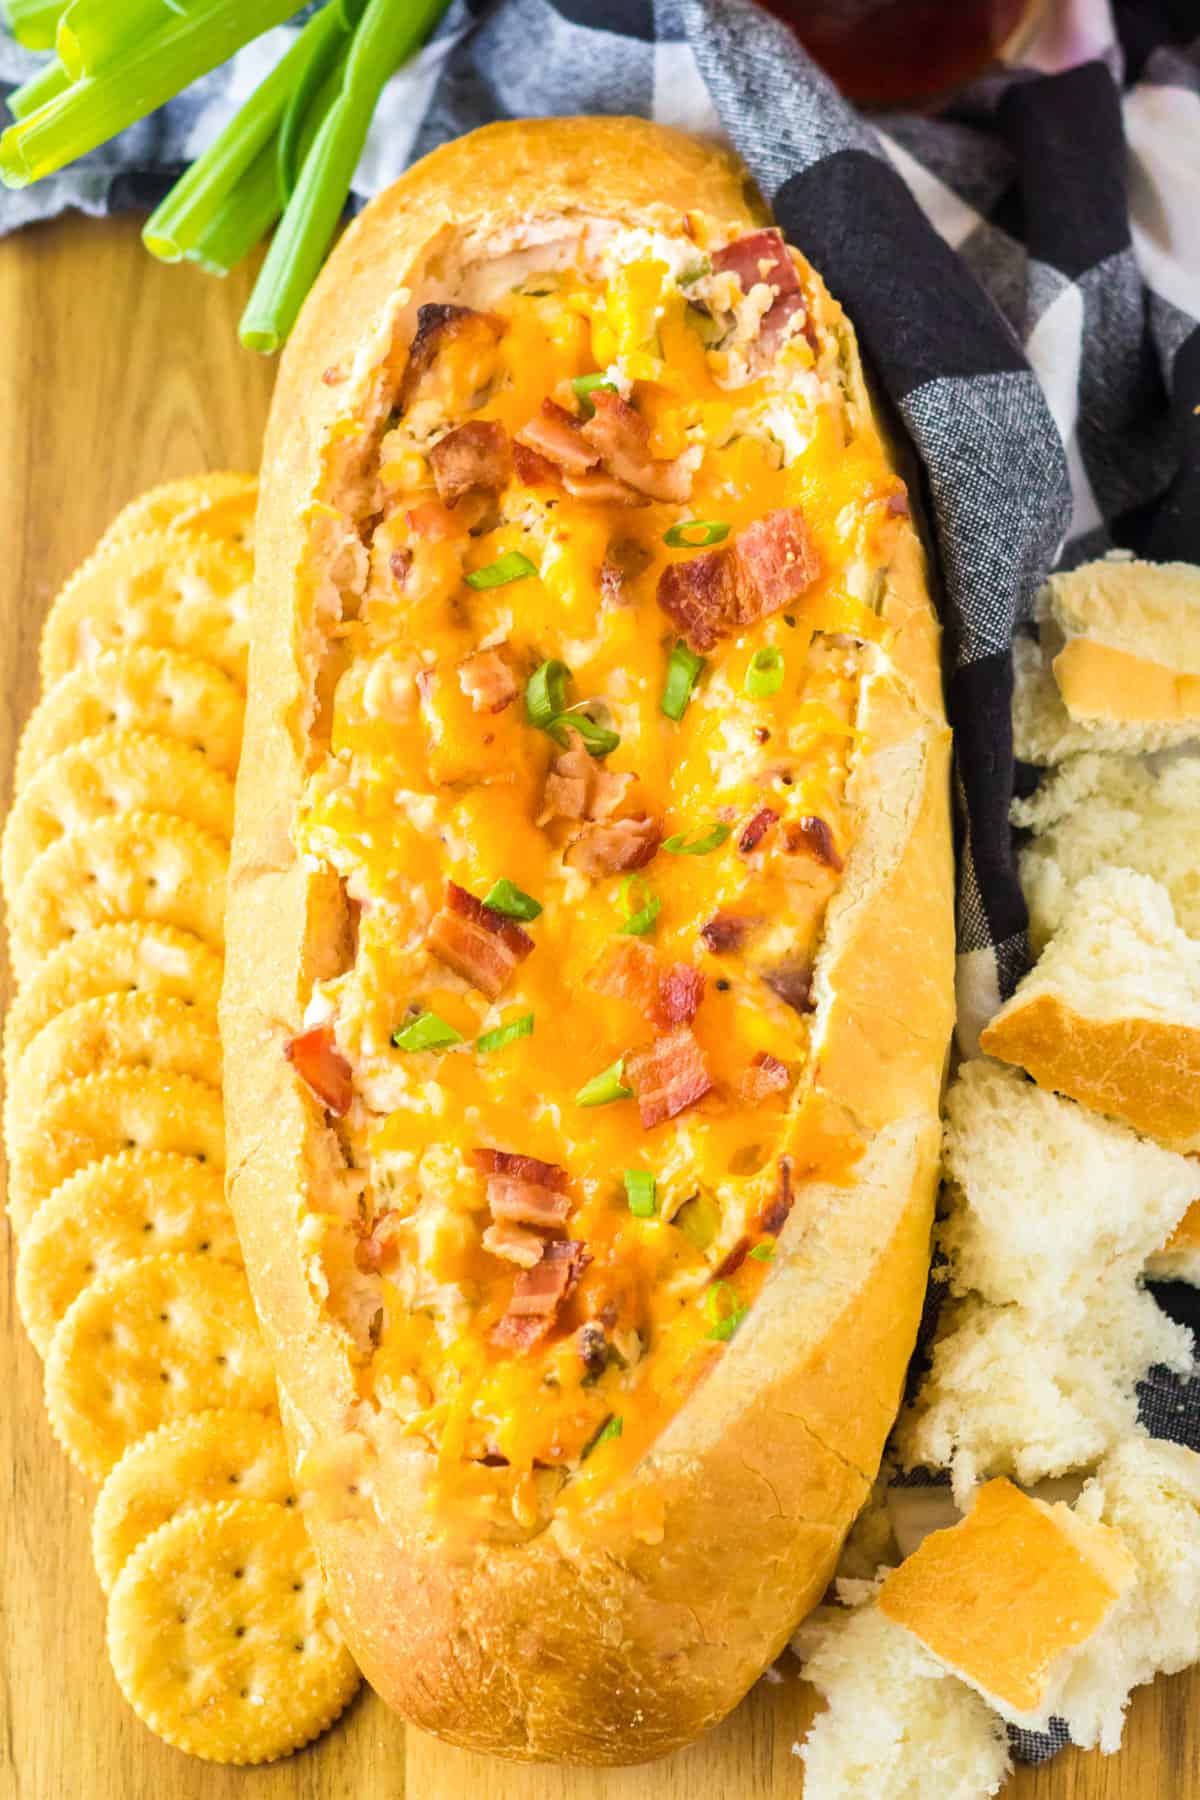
x,y
1023,269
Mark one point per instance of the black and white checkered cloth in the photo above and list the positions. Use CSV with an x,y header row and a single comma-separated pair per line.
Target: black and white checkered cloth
x,y
1023,269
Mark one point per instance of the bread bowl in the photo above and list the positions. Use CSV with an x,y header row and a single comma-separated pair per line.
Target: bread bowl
x,y
609,1606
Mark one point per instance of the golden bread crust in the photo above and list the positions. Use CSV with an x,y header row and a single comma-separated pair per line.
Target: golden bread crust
x,y
622,1630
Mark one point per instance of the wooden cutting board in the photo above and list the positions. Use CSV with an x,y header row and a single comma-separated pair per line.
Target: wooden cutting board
x,y
116,373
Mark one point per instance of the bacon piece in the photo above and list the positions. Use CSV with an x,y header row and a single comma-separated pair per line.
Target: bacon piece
x,y
487,681
533,469
725,931
774,1214
539,1294
480,945
579,787
757,829
430,520
620,435
765,1076
474,455
514,1243
523,1190
731,1263
615,846
591,1342
668,1077
897,506
517,1167
723,591
792,981
758,257
680,991
437,326
625,561
322,1068
632,971
557,435
400,562
602,489
814,837
378,1247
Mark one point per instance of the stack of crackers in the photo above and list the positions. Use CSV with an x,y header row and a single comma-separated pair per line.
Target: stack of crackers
x,y
129,1276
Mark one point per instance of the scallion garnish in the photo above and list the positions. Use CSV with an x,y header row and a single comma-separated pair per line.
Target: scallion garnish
x,y
712,840
507,898
606,1087
696,273
599,740
641,906
426,1032
696,534
506,1034
610,1429
764,677
34,22
546,693
512,566
683,670
94,34
765,1251
46,85
585,386
642,1191
723,1310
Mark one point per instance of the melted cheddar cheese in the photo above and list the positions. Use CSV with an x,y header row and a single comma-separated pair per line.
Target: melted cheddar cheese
x,y
421,785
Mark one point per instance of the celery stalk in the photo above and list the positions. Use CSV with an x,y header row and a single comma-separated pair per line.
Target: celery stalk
x,y
205,192
34,22
96,108
387,34
44,86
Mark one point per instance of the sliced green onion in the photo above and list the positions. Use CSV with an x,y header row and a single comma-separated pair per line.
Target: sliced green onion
x,y
764,677
94,34
512,566
385,36
211,190
507,898
243,220
696,273
641,906
642,1192
712,840
599,740
683,669
724,1313
610,1429
45,86
34,22
426,1032
546,693
156,68
506,1034
586,385
763,1252
696,534
291,145
602,1089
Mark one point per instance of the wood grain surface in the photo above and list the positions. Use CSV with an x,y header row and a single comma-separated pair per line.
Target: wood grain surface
x,y
116,373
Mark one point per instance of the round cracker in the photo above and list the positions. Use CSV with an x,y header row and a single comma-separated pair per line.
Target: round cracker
x,y
211,1457
184,505
103,776
100,1115
132,958
131,1031
162,691
164,590
141,866
220,1636
151,1341
231,518
134,1204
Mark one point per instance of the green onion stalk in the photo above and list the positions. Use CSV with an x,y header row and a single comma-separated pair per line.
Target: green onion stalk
x,y
49,82
33,22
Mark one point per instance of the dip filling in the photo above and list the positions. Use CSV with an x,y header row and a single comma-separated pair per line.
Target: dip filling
x,y
592,734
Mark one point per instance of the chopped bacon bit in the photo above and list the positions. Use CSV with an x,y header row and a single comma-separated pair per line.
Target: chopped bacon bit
x,y
725,931
438,325
615,846
731,1263
762,256
621,437
632,971
516,1167
792,981
523,1191
558,436
431,520
723,591
814,837
378,1247
774,1214
602,489
897,506
757,829
487,681
591,1343
400,562
625,561
578,787
514,1243
765,1076
538,1295
680,991
533,469
480,945
471,456
322,1067
668,1077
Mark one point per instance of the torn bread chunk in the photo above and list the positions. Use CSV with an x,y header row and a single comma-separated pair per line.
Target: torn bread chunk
x,y
1123,641
1097,812
1110,1015
896,1726
1044,732
1047,1199
1013,1644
